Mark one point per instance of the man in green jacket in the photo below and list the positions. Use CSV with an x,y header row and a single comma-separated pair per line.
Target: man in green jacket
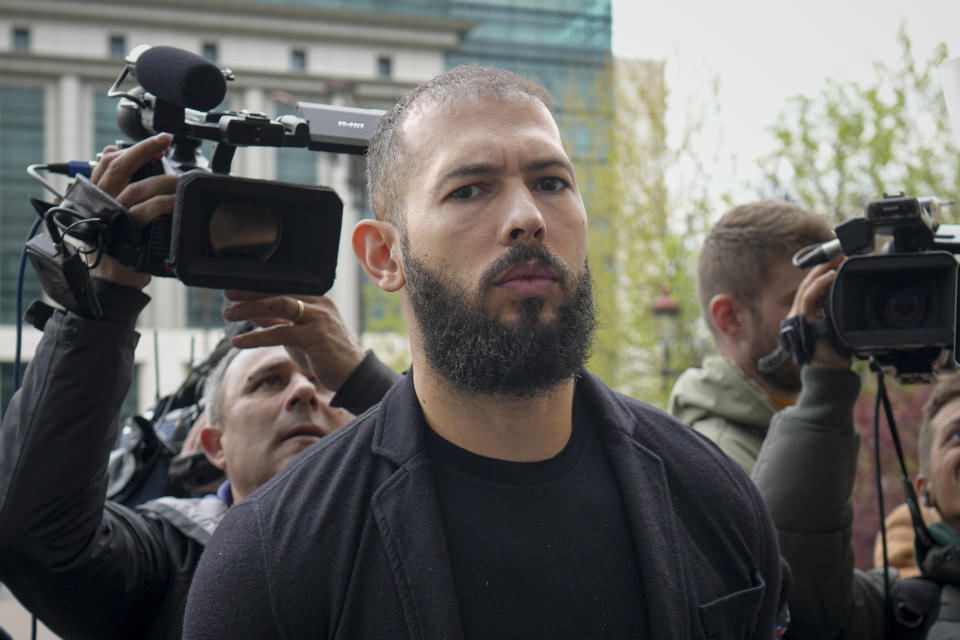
x,y
746,283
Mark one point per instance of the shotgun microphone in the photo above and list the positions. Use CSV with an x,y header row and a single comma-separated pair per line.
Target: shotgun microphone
x,y
180,78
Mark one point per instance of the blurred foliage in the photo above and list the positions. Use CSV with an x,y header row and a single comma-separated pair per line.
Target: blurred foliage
x,y
907,402
384,325
852,142
849,144
648,204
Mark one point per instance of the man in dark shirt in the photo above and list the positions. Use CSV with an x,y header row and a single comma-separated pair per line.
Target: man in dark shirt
x,y
500,490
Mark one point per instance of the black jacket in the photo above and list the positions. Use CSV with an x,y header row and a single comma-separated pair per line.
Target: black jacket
x,y
347,542
86,567
806,472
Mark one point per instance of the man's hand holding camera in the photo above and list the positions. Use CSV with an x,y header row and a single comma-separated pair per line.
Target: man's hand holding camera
x,y
808,303
310,327
145,199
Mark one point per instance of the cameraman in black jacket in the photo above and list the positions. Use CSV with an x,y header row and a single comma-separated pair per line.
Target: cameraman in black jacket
x,y
91,568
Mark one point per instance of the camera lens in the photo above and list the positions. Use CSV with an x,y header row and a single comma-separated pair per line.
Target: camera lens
x,y
244,231
902,306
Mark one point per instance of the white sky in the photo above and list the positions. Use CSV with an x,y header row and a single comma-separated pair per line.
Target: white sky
x,y
764,51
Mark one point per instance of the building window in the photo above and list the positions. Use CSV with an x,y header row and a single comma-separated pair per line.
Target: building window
x,y
205,306
384,67
210,51
298,60
117,48
21,136
21,39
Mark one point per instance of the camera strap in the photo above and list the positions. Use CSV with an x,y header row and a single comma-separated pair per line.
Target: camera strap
x,y
797,339
90,201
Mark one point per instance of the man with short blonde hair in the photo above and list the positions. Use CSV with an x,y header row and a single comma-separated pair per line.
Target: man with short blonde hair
x,y
746,283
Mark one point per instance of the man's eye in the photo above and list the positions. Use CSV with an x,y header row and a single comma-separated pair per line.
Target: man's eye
x,y
552,183
269,381
465,192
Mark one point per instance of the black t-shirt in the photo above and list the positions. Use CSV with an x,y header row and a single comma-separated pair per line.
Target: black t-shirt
x,y
541,549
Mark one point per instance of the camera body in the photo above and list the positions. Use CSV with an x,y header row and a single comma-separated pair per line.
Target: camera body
x,y
225,231
898,306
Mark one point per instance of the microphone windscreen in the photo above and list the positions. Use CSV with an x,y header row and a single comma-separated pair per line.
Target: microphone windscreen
x,y
181,78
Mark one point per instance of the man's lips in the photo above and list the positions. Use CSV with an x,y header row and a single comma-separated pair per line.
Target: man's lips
x,y
311,430
527,280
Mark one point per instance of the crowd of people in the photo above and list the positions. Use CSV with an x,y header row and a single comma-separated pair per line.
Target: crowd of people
x,y
497,489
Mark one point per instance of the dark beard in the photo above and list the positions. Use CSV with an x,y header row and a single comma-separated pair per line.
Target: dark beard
x,y
487,357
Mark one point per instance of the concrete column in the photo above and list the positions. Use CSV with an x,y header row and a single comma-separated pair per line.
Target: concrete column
x,y
73,113
168,305
334,172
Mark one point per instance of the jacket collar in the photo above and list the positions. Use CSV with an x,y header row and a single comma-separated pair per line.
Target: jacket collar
x,y
408,515
645,491
403,437
720,388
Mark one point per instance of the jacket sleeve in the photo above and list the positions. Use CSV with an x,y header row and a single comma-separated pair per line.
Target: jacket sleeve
x,y
805,473
85,568
231,595
366,386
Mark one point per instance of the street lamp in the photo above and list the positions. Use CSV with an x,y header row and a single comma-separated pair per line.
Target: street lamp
x,y
666,309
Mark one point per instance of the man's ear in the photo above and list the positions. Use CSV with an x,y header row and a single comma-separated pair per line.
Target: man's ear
x,y
922,485
377,245
211,441
725,313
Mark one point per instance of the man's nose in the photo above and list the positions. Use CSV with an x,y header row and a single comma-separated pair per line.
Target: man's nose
x,y
523,220
303,391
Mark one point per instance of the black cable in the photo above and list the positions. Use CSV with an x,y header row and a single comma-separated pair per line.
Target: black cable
x,y
66,231
920,529
99,251
98,245
78,219
55,212
887,602
919,526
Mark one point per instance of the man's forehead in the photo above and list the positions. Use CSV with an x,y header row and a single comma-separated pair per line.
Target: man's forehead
x,y
435,110
473,131
948,416
250,361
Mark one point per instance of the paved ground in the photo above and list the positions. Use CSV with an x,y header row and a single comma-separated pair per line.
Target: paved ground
x,y
15,620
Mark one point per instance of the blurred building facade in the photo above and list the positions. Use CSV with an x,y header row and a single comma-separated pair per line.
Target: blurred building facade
x,y
58,57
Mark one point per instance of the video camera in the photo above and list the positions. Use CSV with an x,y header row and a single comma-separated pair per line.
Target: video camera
x,y
225,232
897,306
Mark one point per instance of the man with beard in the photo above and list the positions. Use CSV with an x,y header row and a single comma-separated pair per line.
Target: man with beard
x,y
746,283
500,490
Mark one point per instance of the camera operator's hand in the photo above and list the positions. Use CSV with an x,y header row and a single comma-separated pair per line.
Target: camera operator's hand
x,y
314,334
145,199
808,301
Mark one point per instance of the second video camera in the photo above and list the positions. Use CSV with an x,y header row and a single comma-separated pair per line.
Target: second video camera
x,y
897,306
